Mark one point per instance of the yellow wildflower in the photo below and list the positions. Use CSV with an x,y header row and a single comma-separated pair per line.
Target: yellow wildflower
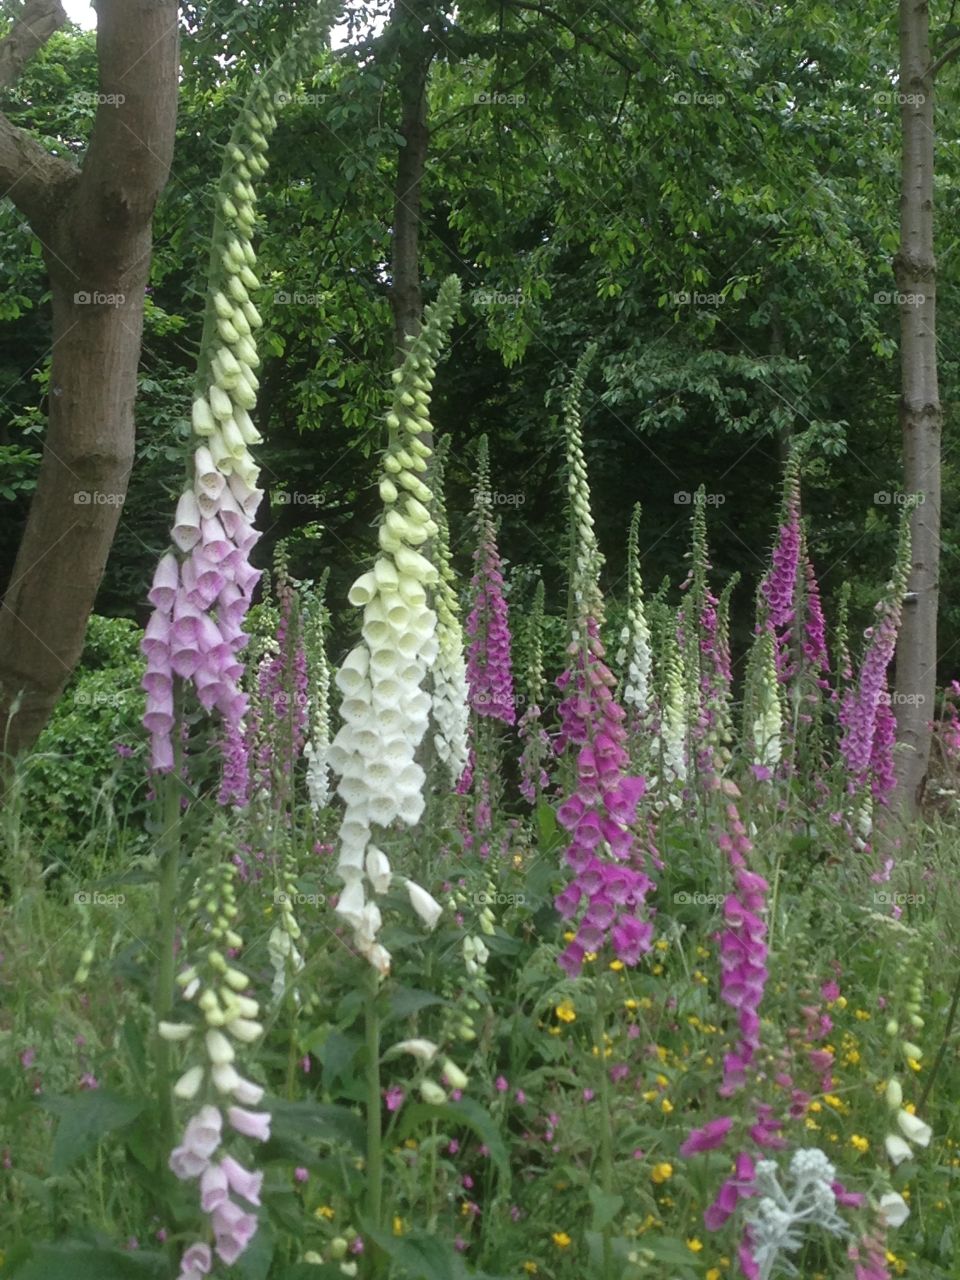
x,y
565,1011
859,1144
661,1172
694,1245
561,1240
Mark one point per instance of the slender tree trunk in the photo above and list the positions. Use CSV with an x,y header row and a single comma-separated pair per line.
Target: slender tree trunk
x,y
95,228
920,411
415,53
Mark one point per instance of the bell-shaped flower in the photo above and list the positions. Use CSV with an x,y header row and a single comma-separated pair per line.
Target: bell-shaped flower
x,y
378,871
426,907
912,1127
186,527
897,1149
243,1182
207,478
252,1124
166,581
214,1188
894,1209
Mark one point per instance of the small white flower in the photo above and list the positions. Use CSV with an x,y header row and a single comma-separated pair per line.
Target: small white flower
x,y
897,1149
426,907
894,1209
914,1128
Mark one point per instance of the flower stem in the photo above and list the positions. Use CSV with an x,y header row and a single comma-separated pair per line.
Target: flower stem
x,y
374,1116
606,1138
169,846
944,1041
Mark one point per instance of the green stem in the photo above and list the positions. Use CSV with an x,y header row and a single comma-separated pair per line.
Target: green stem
x,y
432,1181
169,846
606,1138
944,1041
371,1018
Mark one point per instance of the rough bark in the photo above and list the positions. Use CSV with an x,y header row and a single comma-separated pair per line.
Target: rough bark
x,y
920,411
95,228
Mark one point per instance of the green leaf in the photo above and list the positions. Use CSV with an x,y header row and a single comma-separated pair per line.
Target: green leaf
x,y
84,1120
254,1262
87,1262
547,827
463,1114
674,1252
337,1056
405,1001
420,1256
606,1206
321,1120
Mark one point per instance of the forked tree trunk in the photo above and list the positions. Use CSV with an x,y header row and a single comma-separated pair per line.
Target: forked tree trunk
x,y
95,228
920,411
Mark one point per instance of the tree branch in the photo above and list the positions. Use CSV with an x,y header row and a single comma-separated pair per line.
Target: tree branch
x,y
128,159
947,56
34,27
621,59
30,175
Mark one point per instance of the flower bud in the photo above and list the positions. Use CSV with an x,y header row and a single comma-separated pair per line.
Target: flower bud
x,y
431,1093
454,1075
219,1048
174,1030
188,1086
894,1093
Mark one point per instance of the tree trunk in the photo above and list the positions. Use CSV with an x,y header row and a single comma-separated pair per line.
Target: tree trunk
x,y
95,228
920,411
415,53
